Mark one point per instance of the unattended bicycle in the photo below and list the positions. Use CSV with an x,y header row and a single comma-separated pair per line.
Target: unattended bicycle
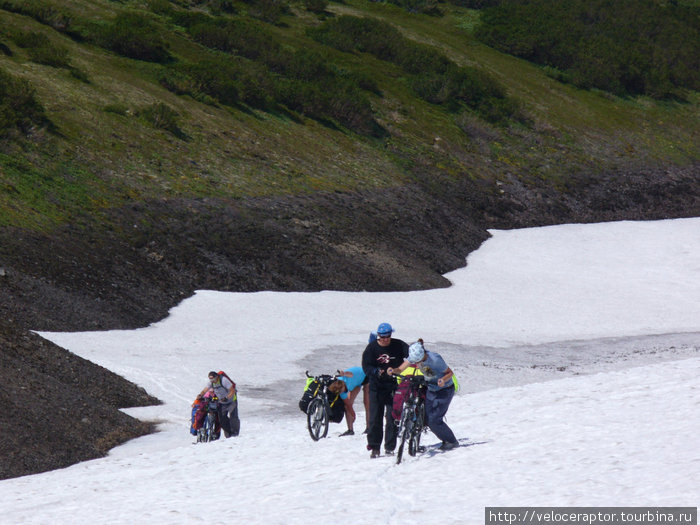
x,y
412,420
318,413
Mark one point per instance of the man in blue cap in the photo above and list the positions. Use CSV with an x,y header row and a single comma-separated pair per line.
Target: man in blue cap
x,y
379,355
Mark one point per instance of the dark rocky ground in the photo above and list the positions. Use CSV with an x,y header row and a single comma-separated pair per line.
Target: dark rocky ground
x,y
129,269
57,408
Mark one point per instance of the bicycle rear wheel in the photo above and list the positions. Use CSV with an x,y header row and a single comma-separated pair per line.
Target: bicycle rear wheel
x,y
317,419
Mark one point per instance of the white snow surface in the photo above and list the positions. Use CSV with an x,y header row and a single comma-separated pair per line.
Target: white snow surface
x,y
577,348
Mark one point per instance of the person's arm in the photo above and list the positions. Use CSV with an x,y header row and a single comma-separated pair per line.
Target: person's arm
x,y
446,377
368,365
396,371
200,395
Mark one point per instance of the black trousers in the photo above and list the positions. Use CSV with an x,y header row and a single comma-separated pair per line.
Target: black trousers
x,y
381,424
228,417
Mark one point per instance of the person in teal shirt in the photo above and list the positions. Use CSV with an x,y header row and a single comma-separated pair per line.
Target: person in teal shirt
x,y
348,386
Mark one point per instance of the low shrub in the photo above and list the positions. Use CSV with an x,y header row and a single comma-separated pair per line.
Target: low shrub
x,y
228,80
19,107
79,74
40,11
633,47
160,7
426,7
316,6
117,108
272,75
270,11
132,35
162,116
41,50
433,77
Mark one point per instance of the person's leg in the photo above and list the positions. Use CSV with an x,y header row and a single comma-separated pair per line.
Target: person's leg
x,y
222,412
390,430
436,405
365,400
353,394
349,417
234,422
376,412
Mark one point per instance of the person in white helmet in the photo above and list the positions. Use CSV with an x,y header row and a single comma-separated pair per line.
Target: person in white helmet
x,y
438,378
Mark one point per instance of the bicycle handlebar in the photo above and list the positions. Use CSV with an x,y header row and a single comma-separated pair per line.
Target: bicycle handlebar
x,y
324,378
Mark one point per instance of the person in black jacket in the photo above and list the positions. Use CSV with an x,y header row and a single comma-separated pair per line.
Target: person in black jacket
x,y
386,352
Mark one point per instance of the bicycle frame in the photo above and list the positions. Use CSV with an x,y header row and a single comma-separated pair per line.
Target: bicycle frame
x,y
411,424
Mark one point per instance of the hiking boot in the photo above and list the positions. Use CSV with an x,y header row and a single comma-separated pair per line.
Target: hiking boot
x,y
347,433
375,453
420,449
388,452
447,445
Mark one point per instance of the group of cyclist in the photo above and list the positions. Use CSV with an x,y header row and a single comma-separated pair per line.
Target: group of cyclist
x,y
383,359
221,387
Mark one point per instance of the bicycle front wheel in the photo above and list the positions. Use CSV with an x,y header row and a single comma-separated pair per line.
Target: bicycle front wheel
x,y
209,423
414,442
406,429
317,419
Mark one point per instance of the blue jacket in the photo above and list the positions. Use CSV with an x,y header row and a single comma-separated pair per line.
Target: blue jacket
x,y
433,368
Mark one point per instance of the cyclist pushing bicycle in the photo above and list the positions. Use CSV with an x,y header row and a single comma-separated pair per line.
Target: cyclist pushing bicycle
x,y
438,378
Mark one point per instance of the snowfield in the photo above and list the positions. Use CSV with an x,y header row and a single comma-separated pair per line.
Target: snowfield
x,y
577,348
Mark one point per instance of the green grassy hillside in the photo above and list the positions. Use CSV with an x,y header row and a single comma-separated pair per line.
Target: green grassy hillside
x,y
126,107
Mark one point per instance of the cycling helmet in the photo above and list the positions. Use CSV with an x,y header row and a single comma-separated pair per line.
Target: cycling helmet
x,y
416,352
384,329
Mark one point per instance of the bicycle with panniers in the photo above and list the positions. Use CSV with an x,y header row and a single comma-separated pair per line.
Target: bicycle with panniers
x,y
210,430
321,404
411,422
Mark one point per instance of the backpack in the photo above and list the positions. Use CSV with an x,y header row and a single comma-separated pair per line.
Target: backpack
x,y
310,391
402,391
224,374
336,404
193,423
337,409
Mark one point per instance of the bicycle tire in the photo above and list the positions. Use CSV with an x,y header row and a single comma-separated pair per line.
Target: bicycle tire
x,y
211,423
414,441
405,431
317,419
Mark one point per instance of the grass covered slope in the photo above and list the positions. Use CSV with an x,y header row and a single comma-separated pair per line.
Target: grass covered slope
x,y
152,147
